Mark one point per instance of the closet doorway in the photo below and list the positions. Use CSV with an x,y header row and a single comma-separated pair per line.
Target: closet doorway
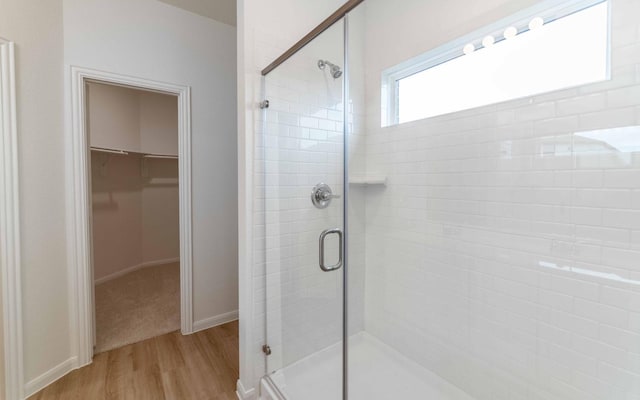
x,y
131,147
133,138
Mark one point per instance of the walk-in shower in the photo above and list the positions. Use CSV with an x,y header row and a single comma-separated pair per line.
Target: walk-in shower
x,y
457,216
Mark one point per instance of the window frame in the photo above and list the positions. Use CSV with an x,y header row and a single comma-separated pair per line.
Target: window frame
x,y
549,10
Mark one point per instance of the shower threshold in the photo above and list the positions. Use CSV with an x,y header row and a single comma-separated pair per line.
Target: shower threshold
x,y
376,372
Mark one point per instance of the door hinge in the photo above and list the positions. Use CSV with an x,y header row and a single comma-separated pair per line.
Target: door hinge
x,y
264,104
266,349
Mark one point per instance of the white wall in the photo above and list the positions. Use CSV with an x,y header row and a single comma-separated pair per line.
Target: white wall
x,y
503,254
160,42
220,10
37,30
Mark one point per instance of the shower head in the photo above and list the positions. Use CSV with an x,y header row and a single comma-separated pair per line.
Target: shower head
x,y
335,70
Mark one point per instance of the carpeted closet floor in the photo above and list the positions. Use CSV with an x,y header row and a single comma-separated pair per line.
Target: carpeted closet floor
x,y
137,306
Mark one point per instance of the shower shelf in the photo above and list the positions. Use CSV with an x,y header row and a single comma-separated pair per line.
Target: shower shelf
x,y
368,180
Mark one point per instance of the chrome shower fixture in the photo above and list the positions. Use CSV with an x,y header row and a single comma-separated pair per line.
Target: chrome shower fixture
x,y
336,71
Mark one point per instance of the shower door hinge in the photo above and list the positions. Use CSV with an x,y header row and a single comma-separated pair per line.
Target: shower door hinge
x,y
264,104
266,349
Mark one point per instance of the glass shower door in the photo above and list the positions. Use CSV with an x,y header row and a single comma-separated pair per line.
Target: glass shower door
x,y
303,145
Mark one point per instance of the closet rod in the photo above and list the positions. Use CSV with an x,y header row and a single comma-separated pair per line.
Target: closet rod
x,y
110,151
160,156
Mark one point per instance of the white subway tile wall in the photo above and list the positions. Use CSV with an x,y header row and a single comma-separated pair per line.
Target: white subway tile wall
x,y
302,143
504,254
300,321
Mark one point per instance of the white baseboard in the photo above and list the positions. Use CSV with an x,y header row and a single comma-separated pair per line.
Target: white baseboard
x,y
134,268
214,321
244,394
37,384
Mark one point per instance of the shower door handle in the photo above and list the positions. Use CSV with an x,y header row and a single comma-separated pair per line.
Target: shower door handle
x,y
323,235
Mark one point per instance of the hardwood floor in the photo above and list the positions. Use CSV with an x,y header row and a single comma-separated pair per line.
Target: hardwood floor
x,y
199,366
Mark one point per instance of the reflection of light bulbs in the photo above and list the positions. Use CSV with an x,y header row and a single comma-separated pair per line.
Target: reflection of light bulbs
x,y
510,32
468,49
536,23
488,41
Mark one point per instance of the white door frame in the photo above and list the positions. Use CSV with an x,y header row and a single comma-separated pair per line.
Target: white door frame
x,y
10,227
81,280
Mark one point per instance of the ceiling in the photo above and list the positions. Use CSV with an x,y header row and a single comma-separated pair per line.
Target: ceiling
x,y
221,10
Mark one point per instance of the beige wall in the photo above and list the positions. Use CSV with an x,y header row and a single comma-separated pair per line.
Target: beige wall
x,y
132,120
117,213
135,218
135,200
113,117
36,28
158,123
160,211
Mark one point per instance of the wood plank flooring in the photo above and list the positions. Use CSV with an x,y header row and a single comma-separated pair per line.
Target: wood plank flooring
x,y
202,366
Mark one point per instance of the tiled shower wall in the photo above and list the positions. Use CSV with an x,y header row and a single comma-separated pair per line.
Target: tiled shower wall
x,y
504,253
300,145
264,33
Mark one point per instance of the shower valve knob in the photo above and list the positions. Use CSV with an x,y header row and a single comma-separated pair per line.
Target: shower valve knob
x,y
321,195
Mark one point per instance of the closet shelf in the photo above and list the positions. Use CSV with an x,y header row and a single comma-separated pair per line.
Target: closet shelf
x,y
368,180
110,151
124,153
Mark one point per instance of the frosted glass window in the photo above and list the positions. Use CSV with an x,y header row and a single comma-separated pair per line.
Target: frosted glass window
x,y
538,57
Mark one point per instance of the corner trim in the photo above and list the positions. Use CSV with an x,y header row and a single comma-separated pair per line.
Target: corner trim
x,y
10,256
215,321
81,282
52,375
